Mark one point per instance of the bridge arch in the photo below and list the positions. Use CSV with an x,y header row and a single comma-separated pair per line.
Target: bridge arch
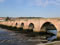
x,y
22,25
48,24
48,28
16,24
31,26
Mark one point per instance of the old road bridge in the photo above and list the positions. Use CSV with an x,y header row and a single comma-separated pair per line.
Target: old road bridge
x,y
37,24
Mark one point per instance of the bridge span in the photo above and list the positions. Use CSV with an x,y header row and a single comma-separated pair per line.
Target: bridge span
x,y
37,24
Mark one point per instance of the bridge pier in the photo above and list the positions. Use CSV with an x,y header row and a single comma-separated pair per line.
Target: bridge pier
x,y
58,34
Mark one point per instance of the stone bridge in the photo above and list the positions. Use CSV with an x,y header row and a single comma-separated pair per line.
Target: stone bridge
x,y
37,24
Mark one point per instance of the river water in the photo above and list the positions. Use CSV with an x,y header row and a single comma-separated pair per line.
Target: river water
x,y
54,35
8,37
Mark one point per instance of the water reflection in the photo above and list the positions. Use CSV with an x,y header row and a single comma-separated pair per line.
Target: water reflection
x,y
52,35
15,38
11,37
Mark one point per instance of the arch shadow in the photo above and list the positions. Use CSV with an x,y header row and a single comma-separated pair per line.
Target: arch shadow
x,y
31,26
49,30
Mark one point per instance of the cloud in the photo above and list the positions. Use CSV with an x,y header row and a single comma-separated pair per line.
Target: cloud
x,y
45,3
2,1
39,3
58,2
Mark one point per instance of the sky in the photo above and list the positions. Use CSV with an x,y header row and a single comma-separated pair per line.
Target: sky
x,y
29,8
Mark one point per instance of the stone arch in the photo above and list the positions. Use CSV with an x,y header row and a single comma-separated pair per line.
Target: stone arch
x,y
22,25
31,26
47,23
48,28
16,24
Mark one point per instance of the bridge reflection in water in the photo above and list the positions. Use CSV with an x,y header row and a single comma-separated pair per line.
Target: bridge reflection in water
x,y
8,37
52,36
